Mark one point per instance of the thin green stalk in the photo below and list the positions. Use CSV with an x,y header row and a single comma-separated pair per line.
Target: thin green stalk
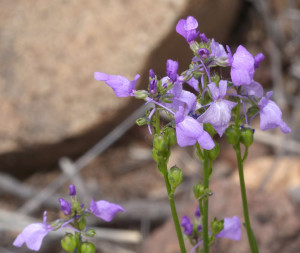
x,y
162,166
205,203
251,237
164,170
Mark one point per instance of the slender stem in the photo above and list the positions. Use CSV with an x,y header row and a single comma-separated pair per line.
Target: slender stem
x,y
205,203
251,238
162,166
164,170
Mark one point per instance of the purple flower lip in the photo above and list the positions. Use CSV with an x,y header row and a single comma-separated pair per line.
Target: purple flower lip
x,y
72,190
104,209
121,86
187,28
33,234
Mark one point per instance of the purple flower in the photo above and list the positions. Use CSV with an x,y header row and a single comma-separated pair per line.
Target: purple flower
x,y
121,86
151,73
193,83
187,28
104,209
65,206
218,53
232,229
172,68
189,131
197,212
271,115
219,112
203,37
72,190
203,53
187,225
253,89
33,234
242,67
258,59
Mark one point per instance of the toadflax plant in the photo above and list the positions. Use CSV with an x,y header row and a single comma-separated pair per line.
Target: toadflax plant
x,y
76,214
217,106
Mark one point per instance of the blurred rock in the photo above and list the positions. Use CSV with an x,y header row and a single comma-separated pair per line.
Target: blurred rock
x,y
51,104
272,173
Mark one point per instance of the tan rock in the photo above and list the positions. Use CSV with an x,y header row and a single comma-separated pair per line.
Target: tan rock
x,y
273,173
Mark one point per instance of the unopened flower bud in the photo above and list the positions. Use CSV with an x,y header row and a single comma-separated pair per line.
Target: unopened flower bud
x,y
247,137
171,135
216,226
199,190
87,247
142,121
72,190
90,233
65,206
68,243
214,153
175,176
151,73
160,143
81,223
141,94
203,37
232,135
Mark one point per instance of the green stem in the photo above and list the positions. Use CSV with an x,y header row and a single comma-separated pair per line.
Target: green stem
x,y
251,237
205,203
164,170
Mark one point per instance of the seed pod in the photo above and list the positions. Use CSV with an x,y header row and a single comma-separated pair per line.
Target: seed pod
x,y
247,137
232,134
214,153
68,243
87,247
175,176
198,190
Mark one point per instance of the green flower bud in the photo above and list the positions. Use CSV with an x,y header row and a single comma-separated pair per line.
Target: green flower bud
x,y
156,155
160,143
171,136
68,243
232,135
215,78
199,190
214,153
247,137
217,226
175,176
87,247
90,232
141,94
142,121
81,223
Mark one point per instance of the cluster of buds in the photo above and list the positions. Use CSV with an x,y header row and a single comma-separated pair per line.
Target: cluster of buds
x,y
76,214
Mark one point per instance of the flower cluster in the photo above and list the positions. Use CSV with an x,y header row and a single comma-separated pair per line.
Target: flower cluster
x,y
75,212
213,98
228,228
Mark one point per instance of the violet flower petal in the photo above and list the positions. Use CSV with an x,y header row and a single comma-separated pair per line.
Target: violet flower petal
x,y
253,89
172,68
33,235
65,206
121,86
218,115
193,83
232,229
271,116
104,209
242,67
187,225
